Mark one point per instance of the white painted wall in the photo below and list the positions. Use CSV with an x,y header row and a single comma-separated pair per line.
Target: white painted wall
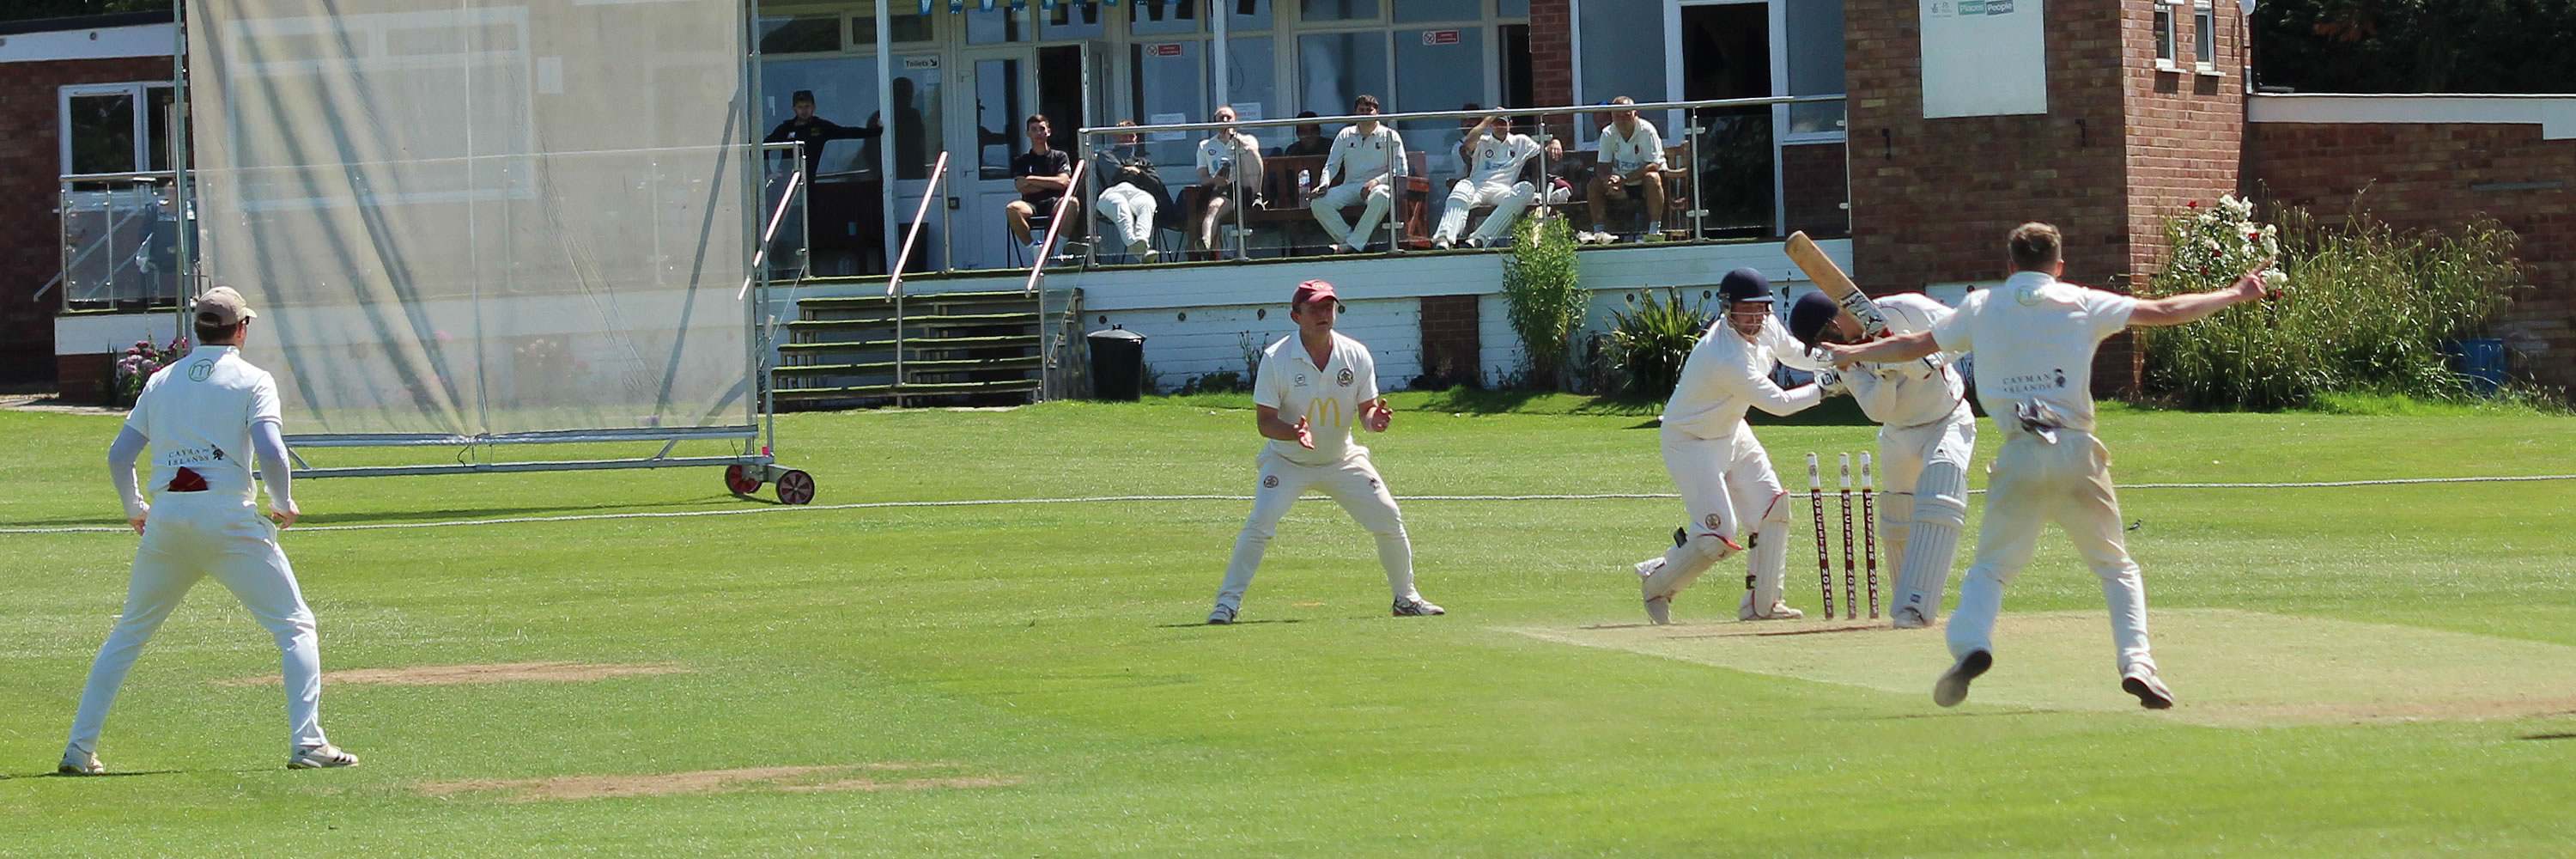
x,y
2555,114
148,40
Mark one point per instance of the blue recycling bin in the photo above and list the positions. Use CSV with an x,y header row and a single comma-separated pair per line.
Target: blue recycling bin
x,y
2481,363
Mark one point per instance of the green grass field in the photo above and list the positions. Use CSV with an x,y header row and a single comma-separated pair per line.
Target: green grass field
x,y
2364,671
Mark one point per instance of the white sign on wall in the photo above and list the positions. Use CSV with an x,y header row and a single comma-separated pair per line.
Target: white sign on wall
x,y
1984,58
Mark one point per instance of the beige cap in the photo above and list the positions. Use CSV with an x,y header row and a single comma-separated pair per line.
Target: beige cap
x,y
221,307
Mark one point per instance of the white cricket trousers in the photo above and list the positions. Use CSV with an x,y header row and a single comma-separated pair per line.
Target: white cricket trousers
x,y
188,536
1354,484
1131,210
1507,200
1729,489
2033,482
1328,211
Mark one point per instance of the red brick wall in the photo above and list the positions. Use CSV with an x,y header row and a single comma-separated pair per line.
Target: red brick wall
x,y
30,240
1932,199
1552,59
1817,185
2426,176
1450,342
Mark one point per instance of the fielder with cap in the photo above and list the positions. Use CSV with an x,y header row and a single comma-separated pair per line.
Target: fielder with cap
x,y
1723,473
200,415
1926,434
1311,387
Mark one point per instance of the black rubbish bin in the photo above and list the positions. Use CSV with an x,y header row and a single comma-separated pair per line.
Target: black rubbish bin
x,y
1117,364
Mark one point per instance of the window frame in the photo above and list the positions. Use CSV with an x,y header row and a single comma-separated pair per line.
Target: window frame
x,y
2204,37
140,92
2162,31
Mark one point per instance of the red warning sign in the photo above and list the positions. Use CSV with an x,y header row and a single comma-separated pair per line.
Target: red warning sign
x,y
1440,37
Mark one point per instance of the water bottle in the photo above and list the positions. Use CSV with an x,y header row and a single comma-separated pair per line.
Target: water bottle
x,y
1305,183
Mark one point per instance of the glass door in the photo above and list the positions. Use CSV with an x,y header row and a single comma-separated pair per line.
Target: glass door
x,y
1726,52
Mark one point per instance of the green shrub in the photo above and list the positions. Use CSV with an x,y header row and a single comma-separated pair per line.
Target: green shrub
x,y
1542,299
2363,308
1650,339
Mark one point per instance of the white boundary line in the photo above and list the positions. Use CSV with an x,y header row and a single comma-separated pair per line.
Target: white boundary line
x,y
1101,499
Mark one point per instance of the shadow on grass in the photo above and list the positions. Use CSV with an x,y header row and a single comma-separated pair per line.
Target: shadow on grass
x,y
2561,736
1202,623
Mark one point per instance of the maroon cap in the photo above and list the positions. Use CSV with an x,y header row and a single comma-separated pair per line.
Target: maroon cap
x,y
1311,291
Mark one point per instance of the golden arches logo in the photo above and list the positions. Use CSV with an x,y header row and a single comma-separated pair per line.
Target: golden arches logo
x,y
1323,412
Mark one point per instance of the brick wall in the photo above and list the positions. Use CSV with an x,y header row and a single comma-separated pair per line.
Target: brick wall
x,y
1552,59
1816,186
1450,343
30,240
2439,176
1933,198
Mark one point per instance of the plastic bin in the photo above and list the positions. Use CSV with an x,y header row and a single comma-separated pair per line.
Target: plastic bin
x,y
1117,364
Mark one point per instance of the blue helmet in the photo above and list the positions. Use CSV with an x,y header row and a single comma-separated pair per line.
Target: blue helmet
x,y
1744,284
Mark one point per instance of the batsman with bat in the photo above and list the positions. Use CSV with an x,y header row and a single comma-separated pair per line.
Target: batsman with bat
x,y
2033,339
1311,386
1926,431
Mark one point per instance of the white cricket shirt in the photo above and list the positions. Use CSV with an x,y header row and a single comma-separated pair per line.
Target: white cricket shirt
x,y
1913,393
1361,157
1632,151
2033,339
1214,149
198,413
1727,374
1498,162
1329,396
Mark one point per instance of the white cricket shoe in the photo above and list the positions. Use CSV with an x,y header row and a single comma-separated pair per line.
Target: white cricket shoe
x,y
1953,686
324,756
1907,617
1779,610
2152,694
1416,606
80,763
1221,615
1439,244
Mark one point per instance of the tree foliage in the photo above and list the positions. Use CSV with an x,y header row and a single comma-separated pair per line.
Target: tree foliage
x,y
2416,46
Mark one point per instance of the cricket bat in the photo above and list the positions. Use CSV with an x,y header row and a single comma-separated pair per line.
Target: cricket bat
x,y
1837,285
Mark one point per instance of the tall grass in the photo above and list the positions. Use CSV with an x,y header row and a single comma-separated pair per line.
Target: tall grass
x,y
2365,308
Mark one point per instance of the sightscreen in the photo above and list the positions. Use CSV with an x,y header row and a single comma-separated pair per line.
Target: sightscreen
x,y
475,218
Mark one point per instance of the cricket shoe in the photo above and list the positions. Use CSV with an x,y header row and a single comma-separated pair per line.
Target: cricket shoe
x,y
1439,244
1416,606
1908,617
1660,610
1221,615
1953,687
324,756
2152,694
80,763
1779,610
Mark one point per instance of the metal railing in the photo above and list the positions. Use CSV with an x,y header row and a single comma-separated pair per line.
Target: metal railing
x,y
120,238
1738,147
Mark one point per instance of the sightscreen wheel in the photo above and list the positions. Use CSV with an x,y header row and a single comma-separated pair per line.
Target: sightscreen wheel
x,y
796,487
738,480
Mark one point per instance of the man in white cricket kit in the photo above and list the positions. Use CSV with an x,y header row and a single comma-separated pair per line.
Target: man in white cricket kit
x,y
1310,388
1926,434
1724,475
1494,159
1364,163
1632,154
2033,340
200,415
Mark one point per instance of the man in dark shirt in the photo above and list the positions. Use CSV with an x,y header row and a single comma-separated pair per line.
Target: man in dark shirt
x,y
814,132
1310,140
1043,175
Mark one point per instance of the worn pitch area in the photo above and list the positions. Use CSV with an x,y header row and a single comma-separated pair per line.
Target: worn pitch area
x,y
2228,668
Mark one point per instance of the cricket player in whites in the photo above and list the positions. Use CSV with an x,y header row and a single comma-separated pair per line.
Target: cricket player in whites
x,y
1723,473
1310,388
200,416
1925,436
2033,340
1494,159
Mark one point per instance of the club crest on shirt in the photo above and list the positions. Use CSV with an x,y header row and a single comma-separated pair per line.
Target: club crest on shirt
x,y
1270,481
1301,380
198,371
1714,521
1344,379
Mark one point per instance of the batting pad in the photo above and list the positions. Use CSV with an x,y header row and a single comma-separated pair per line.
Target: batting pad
x,y
2228,668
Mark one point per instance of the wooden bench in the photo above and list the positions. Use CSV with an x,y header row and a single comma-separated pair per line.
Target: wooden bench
x,y
1285,208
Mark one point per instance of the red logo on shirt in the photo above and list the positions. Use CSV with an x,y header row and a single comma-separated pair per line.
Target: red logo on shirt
x,y
187,480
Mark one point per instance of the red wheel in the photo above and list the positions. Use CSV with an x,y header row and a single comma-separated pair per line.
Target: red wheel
x,y
739,480
796,487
